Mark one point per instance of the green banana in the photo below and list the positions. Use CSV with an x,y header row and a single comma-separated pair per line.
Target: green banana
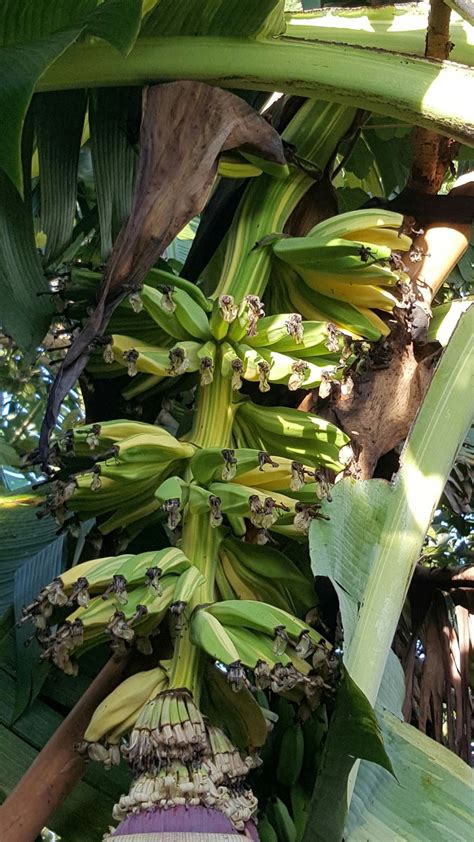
x,y
266,831
170,560
155,303
187,583
291,756
266,562
243,583
281,820
159,276
191,315
210,635
254,647
261,617
281,430
337,255
158,448
224,311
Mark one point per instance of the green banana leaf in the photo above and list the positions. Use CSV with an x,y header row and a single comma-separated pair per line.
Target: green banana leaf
x,y
406,87
369,552
431,798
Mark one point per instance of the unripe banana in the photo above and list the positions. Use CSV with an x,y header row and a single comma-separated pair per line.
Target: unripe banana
x,y
136,356
272,168
112,431
272,329
157,448
125,700
260,617
282,821
210,635
246,584
266,831
337,255
234,166
130,512
158,276
187,583
314,335
191,315
155,303
97,571
267,563
291,755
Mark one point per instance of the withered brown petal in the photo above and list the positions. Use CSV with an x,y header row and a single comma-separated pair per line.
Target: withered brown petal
x,y
185,126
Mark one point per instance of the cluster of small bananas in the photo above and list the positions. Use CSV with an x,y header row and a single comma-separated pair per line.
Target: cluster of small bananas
x,y
345,268
275,488
263,642
121,599
129,460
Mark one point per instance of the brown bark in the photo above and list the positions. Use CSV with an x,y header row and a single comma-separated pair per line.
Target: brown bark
x,y
58,767
432,154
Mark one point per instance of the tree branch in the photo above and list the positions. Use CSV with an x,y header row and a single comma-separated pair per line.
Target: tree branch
x,y
58,767
432,154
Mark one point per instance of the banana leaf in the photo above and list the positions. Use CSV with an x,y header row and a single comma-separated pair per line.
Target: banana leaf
x,y
369,552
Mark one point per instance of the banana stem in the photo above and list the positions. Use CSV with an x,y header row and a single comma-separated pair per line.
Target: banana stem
x,y
212,428
214,412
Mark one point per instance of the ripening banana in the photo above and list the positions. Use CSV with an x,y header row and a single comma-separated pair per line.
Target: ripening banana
x,y
125,700
345,223
360,295
381,236
353,320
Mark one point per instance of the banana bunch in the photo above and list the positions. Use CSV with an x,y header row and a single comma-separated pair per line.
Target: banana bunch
x,y
130,459
346,265
270,642
120,599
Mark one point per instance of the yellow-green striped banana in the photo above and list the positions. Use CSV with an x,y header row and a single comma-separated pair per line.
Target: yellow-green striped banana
x,y
125,700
